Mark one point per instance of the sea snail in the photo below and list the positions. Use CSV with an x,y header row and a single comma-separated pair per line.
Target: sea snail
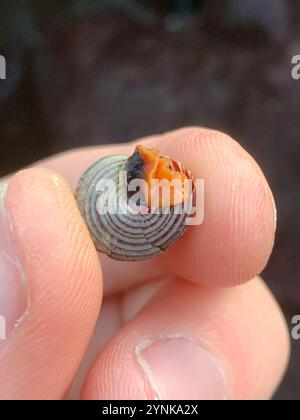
x,y
135,207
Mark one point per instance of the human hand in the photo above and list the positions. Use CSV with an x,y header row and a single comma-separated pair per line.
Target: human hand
x,y
167,328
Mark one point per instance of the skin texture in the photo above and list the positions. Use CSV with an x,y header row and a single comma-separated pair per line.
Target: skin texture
x,y
62,340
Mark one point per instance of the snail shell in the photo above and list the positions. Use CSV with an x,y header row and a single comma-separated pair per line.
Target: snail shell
x,y
131,236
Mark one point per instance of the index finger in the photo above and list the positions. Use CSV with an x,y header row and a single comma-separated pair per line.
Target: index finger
x,y
235,240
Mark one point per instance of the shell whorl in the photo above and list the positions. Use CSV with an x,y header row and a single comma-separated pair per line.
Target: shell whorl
x,y
125,236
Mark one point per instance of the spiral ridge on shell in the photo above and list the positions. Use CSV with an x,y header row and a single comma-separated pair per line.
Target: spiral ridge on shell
x,y
122,235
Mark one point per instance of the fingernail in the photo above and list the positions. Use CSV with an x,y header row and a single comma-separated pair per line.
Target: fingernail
x,y
177,369
13,296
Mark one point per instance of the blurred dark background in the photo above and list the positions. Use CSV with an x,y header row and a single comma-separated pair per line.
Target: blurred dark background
x,y
92,72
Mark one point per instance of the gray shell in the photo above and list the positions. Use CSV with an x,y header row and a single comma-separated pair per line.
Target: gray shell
x,y
125,237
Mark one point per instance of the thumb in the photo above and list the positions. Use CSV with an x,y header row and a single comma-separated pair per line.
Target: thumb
x,y
50,286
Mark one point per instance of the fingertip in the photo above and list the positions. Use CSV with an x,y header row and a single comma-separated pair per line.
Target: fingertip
x,y
235,240
64,283
195,343
49,229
